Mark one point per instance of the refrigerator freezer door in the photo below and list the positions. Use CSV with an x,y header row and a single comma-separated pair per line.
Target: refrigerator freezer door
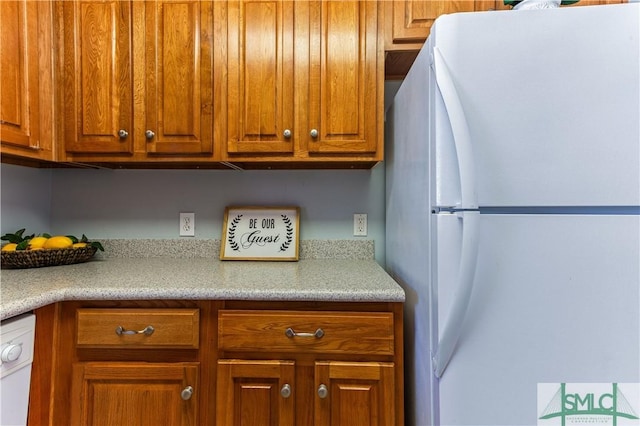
x,y
555,299
552,100
459,132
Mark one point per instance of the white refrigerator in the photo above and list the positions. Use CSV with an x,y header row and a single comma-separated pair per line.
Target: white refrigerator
x,y
513,218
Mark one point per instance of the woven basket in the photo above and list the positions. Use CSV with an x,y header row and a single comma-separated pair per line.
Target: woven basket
x,y
39,258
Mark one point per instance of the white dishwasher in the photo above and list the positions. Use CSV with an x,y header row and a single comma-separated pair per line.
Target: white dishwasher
x,y
16,357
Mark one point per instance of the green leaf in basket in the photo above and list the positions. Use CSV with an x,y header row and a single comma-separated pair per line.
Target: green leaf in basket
x,y
74,239
84,239
46,235
97,245
16,237
12,238
22,245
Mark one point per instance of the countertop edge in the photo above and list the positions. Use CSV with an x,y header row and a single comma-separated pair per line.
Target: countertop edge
x,y
308,280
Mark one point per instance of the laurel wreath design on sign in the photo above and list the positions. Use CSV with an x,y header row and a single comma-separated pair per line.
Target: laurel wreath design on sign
x,y
232,233
289,236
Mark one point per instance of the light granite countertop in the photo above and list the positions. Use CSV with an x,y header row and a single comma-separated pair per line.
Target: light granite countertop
x,y
114,277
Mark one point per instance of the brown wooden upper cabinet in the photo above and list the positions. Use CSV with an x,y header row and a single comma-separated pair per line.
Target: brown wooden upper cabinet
x,y
136,79
304,81
408,23
25,79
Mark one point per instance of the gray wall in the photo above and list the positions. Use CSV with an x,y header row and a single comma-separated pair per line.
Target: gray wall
x,y
25,199
147,203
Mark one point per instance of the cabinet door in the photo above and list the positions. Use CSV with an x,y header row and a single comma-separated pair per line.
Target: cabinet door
x,y
410,21
178,77
20,111
254,393
134,394
345,77
486,5
260,76
97,73
354,394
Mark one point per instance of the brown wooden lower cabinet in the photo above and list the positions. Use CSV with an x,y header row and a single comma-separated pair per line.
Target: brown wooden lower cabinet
x,y
255,393
354,394
218,363
344,393
134,394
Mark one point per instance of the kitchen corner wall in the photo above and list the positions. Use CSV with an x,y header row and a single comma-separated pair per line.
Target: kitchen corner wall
x,y
25,199
146,203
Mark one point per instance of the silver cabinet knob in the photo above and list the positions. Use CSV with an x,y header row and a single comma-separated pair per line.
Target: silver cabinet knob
x,y
285,391
286,133
149,134
186,393
123,133
323,391
313,133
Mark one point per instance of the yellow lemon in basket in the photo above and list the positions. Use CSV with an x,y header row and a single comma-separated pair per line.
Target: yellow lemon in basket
x,y
37,242
10,247
79,245
58,242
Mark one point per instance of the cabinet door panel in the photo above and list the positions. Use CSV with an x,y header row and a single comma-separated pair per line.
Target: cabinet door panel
x,y
97,76
134,394
178,77
358,394
260,76
412,19
344,77
249,393
19,73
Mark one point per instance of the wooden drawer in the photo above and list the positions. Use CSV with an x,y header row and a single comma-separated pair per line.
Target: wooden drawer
x,y
341,332
138,328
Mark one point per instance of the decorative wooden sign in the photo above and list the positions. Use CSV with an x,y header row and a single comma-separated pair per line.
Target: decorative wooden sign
x,y
260,233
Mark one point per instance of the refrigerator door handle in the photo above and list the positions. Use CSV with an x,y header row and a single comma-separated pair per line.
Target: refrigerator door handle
x,y
466,273
460,130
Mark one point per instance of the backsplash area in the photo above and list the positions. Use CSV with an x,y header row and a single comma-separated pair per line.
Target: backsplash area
x,y
146,204
203,248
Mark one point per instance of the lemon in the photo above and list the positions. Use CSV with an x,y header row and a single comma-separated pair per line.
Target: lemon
x,y
37,242
58,242
79,245
10,247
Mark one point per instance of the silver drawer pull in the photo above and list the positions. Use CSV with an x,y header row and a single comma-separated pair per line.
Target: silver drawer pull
x,y
289,332
148,330
186,393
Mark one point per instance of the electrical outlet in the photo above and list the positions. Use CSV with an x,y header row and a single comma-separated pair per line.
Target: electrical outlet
x,y
360,225
187,224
